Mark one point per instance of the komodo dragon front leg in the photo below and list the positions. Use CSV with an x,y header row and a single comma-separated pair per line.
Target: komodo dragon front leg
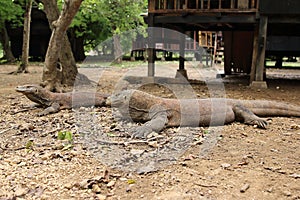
x,y
158,119
245,115
54,108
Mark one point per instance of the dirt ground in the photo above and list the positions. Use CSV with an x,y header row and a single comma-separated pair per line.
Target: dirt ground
x,y
245,163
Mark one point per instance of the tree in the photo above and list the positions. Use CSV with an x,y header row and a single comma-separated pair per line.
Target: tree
x,y
9,12
59,67
26,38
123,15
91,24
98,20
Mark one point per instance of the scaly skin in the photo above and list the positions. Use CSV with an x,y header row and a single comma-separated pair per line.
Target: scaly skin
x,y
53,102
162,112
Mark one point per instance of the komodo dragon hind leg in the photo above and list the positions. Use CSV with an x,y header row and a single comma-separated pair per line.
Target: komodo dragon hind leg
x,y
158,119
244,114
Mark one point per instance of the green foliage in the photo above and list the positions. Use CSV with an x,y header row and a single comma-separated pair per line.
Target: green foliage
x,y
98,20
10,12
124,15
1,51
65,135
68,137
29,145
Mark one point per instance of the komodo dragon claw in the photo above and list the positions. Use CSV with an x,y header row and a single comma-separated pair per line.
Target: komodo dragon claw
x,y
141,132
261,123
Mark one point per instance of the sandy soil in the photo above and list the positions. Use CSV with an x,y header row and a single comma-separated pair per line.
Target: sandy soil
x,y
245,163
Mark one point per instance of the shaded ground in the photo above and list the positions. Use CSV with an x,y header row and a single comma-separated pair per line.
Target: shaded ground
x,y
246,162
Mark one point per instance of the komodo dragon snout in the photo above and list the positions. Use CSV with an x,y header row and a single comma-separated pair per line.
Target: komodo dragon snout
x,y
27,89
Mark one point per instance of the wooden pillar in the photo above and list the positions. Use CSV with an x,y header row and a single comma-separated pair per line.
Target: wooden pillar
x,y
228,43
260,55
254,55
151,46
181,51
181,72
262,38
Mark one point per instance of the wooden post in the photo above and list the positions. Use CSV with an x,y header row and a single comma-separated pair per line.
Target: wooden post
x,y
232,2
181,51
254,54
261,48
181,72
228,43
262,36
151,5
252,3
151,47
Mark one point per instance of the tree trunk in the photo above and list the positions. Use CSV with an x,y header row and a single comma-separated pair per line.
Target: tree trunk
x,y
26,38
60,66
77,44
117,49
4,39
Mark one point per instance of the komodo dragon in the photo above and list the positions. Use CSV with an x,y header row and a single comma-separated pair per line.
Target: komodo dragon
x,y
160,112
53,102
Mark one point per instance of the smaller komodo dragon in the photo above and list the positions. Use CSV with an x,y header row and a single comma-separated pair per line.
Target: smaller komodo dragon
x,y
160,112
53,102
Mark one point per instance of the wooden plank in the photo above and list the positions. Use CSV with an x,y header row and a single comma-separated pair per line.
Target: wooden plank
x,y
220,4
151,5
202,4
232,3
204,11
252,3
205,19
165,4
243,4
208,4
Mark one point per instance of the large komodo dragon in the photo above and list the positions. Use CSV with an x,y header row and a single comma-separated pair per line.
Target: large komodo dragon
x,y
160,112
53,102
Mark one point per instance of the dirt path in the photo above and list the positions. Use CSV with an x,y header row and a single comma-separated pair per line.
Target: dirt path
x,y
245,163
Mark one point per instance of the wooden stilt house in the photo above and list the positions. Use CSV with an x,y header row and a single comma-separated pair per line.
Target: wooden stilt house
x,y
248,27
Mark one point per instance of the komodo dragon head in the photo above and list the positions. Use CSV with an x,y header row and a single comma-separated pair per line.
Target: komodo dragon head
x,y
119,99
36,94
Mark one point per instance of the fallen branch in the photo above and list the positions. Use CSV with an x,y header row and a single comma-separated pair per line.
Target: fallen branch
x,y
204,185
121,142
5,130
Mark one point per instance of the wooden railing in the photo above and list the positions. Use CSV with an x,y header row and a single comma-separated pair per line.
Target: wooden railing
x,y
165,6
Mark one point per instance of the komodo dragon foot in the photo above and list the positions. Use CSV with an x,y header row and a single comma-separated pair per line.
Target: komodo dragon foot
x,y
244,114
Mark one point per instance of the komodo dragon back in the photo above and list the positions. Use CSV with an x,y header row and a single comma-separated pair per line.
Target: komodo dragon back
x,y
160,112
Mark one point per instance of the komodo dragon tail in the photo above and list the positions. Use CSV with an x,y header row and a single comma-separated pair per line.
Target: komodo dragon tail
x,y
272,108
